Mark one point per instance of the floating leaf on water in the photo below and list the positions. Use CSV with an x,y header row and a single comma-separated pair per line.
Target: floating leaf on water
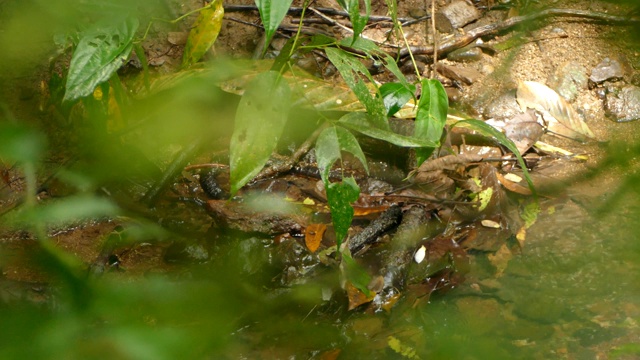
x,y
560,115
204,33
501,259
313,236
404,350
357,297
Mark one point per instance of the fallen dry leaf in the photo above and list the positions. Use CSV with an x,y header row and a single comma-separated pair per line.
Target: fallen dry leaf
x,y
559,114
357,297
313,236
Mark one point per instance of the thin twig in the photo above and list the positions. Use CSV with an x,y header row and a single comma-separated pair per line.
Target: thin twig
x,y
326,11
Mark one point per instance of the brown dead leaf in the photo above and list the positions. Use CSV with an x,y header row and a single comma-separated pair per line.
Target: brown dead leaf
x,y
560,115
357,297
513,186
313,236
332,354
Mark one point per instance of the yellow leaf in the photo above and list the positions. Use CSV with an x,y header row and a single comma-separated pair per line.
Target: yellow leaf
x,y
204,33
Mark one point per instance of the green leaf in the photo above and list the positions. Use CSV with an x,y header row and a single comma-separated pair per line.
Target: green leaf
x,y
358,21
489,131
360,122
349,67
431,116
395,96
63,212
204,33
271,13
100,53
19,143
260,119
329,145
356,274
339,197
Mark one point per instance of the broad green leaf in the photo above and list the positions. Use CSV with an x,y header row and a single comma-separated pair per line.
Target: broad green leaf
x,y
358,21
339,197
329,145
395,96
489,131
260,119
365,45
204,33
66,211
271,13
360,122
349,67
20,143
431,116
356,274
100,53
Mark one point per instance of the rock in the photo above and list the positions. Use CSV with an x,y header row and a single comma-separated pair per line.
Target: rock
x,y
466,54
503,107
608,69
624,104
568,80
460,74
455,15
177,38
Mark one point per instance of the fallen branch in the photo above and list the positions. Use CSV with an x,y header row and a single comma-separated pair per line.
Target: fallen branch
x,y
493,29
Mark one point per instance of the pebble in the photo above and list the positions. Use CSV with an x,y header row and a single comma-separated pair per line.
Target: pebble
x,y
466,54
568,80
624,104
607,69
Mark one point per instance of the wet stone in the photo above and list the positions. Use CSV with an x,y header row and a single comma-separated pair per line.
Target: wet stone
x,y
568,80
624,104
607,69
466,54
460,74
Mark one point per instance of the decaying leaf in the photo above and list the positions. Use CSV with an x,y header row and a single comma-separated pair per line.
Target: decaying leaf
x,y
500,259
513,186
313,236
204,33
357,297
524,130
560,116
406,351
